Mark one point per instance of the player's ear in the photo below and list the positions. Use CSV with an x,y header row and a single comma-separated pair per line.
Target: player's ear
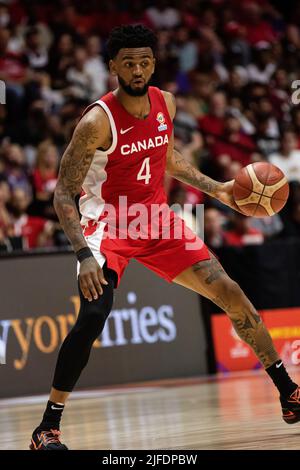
x,y
112,67
153,64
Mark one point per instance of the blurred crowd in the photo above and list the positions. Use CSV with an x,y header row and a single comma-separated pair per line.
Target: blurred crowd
x,y
230,64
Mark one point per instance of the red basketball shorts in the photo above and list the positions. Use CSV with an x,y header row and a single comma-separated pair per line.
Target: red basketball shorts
x,y
170,249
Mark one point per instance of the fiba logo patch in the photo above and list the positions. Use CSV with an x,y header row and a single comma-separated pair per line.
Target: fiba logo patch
x,y
162,124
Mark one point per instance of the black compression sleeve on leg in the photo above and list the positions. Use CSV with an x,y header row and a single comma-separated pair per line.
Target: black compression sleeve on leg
x,y
75,350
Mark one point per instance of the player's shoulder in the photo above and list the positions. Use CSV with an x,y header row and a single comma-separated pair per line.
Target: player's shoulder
x,y
95,116
94,127
168,95
170,102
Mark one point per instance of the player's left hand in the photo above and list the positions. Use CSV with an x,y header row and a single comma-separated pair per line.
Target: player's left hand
x,y
225,195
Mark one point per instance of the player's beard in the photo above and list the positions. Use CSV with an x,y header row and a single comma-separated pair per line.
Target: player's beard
x,y
130,91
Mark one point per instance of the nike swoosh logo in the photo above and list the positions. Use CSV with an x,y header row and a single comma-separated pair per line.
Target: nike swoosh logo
x,y
56,408
123,131
278,365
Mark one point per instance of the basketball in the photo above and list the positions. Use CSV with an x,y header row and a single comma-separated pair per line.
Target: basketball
x,y
260,189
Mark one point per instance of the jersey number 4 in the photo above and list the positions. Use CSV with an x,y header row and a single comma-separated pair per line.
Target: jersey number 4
x,y
144,173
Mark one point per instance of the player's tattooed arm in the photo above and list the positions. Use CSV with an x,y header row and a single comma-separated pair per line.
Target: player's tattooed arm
x,y
181,169
93,131
87,137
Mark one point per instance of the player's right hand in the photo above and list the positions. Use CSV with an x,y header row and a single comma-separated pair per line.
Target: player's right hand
x,y
225,195
90,279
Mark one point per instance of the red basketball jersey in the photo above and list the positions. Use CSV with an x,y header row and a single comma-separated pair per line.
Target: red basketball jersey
x,y
134,165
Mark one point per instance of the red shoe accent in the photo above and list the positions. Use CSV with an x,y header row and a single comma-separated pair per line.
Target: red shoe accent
x,y
47,440
295,396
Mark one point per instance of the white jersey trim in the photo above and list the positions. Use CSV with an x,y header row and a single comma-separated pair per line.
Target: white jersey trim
x,y
112,126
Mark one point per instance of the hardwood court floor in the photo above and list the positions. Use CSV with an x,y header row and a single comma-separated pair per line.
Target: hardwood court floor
x,y
239,412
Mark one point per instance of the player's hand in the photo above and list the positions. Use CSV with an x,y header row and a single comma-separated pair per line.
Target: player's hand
x,y
90,279
225,195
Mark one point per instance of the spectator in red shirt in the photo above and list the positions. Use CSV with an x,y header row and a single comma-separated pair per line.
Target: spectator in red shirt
x,y
212,125
256,28
44,178
45,172
33,231
13,66
82,24
241,233
232,146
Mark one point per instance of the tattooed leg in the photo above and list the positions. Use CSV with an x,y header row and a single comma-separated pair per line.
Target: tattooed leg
x,y
209,279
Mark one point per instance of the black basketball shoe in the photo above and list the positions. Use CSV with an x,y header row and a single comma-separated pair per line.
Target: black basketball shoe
x,y
291,407
46,440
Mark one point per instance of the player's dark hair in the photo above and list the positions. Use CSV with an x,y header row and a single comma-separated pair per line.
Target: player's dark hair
x,y
130,36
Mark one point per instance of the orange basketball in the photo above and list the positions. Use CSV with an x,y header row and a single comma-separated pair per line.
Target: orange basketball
x,y
260,189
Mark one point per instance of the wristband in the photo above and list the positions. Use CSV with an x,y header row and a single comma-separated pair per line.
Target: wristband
x,y
84,253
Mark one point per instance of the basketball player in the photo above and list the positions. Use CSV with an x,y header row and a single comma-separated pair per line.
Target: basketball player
x,y
122,146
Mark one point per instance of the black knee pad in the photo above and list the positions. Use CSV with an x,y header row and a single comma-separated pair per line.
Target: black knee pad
x,y
92,315
99,307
